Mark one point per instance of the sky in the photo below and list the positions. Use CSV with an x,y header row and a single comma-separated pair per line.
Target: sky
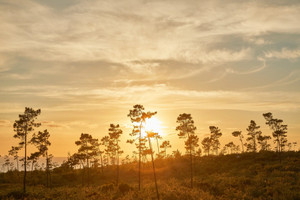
x,y
85,63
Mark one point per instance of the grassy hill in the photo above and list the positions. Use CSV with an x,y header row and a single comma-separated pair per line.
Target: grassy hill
x,y
264,175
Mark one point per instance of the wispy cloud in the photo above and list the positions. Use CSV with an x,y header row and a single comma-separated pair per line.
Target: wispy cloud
x,y
160,95
284,54
134,30
250,71
5,123
291,78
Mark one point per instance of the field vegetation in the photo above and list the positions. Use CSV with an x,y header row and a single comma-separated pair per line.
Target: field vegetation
x,y
264,175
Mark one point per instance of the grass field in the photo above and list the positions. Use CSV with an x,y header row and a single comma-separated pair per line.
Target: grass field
x,y
265,175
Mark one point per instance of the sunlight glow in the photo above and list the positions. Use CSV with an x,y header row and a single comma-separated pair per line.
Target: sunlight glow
x,y
153,124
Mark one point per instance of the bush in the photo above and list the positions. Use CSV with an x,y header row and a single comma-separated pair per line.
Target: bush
x,y
125,188
107,187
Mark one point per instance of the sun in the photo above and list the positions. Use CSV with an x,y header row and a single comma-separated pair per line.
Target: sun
x,y
153,124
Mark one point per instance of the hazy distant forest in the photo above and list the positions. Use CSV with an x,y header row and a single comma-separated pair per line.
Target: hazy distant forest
x,y
251,169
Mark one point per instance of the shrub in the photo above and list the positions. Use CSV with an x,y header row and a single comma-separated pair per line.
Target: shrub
x,y
107,187
125,188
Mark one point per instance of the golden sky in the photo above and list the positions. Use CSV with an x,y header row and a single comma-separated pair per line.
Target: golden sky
x,y
85,63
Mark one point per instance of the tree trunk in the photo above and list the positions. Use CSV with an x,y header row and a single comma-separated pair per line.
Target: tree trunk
x,y
101,162
25,162
18,168
47,169
18,163
279,144
278,148
254,144
117,166
242,143
157,145
83,168
165,152
191,160
50,179
88,172
83,172
140,137
153,166
118,171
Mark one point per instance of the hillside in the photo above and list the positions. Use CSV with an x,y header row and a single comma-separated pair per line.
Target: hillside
x,y
264,175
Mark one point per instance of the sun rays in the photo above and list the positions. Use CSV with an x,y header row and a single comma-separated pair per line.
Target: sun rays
x,y
152,124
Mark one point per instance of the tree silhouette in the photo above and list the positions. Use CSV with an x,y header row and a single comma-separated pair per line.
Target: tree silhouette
x,y
149,136
239,134
191,144
111,149
7,163
206,144
99,153
279,130
231,146
126,160
15,153
87,149
108,151
33,158
41,141
295,145
51,165
72,161
114,135
289,145
145,151
262,140
157,137
187,128
138,116
176,154
253,134
165,145
23,126
215,134
199,152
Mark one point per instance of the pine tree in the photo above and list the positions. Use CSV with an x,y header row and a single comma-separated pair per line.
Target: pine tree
x,y
157,137
215,134
15,153
230,146
41,141
138,116
262,140
199,152
114,136
187,129
149,136
240,135
166,144
253,133
279,130
33,158
24,126
7,164
87,149
206,144
191,144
